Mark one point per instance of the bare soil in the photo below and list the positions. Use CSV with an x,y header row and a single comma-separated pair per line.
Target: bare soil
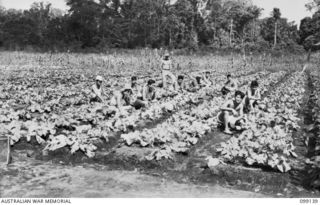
x,y
27,177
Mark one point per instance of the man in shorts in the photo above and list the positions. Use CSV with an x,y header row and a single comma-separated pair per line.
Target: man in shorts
x,y
122,99
231,112
181,84
230,86
149,91
136,89
204,80
253,96
166,67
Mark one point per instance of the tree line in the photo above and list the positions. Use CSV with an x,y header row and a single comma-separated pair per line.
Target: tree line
x,y
174,24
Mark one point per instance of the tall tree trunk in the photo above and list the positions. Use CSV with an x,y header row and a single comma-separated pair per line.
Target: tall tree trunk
x,y
193,34
275,34
158,29
170,40
231,33
242,44
129,36
253,30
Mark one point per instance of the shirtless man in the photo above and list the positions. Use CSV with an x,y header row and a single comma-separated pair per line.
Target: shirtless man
x,y
122,99
149,91
194,83
181,84
204,80
232,112
136,89
253,95
230,86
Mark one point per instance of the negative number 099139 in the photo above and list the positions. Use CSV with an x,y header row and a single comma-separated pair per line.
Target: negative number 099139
x,y
309,201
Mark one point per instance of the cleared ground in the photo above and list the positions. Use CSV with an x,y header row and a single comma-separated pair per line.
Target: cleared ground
x,y
31,178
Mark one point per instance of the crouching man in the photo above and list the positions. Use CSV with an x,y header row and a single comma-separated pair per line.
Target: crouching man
x,y
96,90
230,86
149,91
253,97
122,100
231,115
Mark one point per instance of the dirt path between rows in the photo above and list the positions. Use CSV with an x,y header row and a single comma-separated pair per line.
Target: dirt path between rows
x,y
32,178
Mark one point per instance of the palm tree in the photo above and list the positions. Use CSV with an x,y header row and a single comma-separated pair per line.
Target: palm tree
x,y
276,15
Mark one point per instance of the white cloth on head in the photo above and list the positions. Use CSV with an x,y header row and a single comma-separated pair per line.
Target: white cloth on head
x,y
99,78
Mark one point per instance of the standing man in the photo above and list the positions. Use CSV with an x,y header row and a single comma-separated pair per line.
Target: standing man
x,y
166,67
96,90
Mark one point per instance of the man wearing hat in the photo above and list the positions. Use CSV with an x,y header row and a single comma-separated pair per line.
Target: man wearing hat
x,y
96,90
166,67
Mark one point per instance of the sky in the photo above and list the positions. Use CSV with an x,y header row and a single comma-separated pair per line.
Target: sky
x,y
25,4
293,10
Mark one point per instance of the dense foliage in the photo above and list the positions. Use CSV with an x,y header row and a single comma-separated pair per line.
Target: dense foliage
x,y
103,24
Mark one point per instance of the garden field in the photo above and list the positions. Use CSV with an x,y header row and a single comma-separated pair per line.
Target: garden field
x,y
64,146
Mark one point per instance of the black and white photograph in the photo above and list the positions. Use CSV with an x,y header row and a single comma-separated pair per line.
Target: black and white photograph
x,y
118,99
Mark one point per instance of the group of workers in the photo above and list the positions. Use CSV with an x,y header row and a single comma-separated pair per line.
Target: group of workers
x,y
232,112
132,95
